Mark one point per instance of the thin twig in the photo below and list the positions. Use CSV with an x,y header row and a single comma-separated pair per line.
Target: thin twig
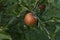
x,y
43,28
36,3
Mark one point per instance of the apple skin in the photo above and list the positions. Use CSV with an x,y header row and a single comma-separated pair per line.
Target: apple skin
x,y
30,19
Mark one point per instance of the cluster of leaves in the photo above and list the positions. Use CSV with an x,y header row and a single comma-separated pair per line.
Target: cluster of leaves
x,y
12,14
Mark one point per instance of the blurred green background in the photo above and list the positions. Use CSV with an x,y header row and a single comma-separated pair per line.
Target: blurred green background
x,y
12,26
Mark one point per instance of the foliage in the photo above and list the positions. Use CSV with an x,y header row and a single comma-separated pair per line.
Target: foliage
x,y
12,26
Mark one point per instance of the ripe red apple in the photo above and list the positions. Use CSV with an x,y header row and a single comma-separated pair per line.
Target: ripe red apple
x,y
30,19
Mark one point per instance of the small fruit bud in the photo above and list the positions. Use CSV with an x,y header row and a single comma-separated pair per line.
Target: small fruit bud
x,y
41,7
